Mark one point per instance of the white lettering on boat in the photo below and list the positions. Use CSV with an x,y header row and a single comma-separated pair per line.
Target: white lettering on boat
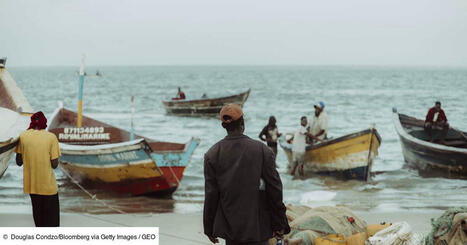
x,y
131,155
84,130
86,133
106,158
123,156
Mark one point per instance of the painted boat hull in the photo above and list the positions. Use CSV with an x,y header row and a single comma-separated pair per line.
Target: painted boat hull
x,y
203,107
11,126
127,168
430,159
6,153
100,156
347,157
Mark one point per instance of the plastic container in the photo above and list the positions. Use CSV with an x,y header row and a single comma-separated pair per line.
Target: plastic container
x,y
357,239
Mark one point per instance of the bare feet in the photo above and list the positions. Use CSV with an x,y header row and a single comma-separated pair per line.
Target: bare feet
x,y
292,171
300,170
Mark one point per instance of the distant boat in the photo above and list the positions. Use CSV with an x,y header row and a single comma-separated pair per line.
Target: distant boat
x,y
98,74
431,158
102,156
203,106
347,157
11,125
2,62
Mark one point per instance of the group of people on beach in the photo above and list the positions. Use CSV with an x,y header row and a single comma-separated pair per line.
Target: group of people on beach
x,y
307,133
243,190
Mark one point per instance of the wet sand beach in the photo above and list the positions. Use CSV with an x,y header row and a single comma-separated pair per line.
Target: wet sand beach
x,y
187,228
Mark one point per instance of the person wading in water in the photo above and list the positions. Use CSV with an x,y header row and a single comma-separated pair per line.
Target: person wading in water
x,y
270,134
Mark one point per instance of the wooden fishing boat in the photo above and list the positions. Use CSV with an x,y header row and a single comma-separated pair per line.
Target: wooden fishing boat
x,y
203,107
11,96
12,119
6,152
431,158
11,125
347,157
102,156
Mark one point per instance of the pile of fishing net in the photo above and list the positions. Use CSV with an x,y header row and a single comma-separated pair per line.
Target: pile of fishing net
x,y
449,229
339,226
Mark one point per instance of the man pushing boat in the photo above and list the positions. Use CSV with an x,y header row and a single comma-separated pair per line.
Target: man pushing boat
x,y
318,127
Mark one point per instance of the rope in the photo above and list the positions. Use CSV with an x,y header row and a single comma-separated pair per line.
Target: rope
x,y
162,233
94,197
178,184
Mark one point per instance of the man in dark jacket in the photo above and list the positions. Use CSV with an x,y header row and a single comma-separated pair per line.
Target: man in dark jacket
x,y
243,191
435,118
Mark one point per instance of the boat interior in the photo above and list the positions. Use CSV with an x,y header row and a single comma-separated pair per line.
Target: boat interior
x,y
415,127
65,123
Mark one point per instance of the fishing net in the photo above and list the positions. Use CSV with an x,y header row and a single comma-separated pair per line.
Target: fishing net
x,y
307,224
448,229
396,234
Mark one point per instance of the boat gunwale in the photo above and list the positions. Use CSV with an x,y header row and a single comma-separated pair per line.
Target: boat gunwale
x,y
288,146
8,146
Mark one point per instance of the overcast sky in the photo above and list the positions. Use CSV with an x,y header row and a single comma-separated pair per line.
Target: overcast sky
x,y
238,32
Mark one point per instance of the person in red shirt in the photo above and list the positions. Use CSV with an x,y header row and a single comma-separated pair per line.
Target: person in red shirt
x,y
436,119
180,95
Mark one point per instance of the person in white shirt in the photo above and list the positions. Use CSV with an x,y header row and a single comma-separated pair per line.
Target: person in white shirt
x,y
318,127
299,147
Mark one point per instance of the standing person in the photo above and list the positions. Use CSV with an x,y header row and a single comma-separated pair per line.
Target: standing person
x,y
299,147
38,152
318,128
243,191
180,95
270,134
435,118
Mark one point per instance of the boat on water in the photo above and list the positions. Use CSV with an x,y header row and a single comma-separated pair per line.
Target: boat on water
x,y
99,155
203,106
428,156
347,157
11,126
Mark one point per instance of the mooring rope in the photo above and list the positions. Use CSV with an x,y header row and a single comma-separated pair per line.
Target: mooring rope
x,y
94,197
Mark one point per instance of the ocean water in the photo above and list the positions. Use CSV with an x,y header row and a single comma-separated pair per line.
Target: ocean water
x,y
355,98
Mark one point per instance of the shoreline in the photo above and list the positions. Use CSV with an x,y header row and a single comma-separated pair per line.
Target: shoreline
x,y
176,228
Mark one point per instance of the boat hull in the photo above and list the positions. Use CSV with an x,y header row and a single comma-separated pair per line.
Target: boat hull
x,y
173,163
123,169
203,107
347,157
11,126
430,162
430,159
6,153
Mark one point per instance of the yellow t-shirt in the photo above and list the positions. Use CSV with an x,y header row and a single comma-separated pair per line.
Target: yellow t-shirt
x,y
38,147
